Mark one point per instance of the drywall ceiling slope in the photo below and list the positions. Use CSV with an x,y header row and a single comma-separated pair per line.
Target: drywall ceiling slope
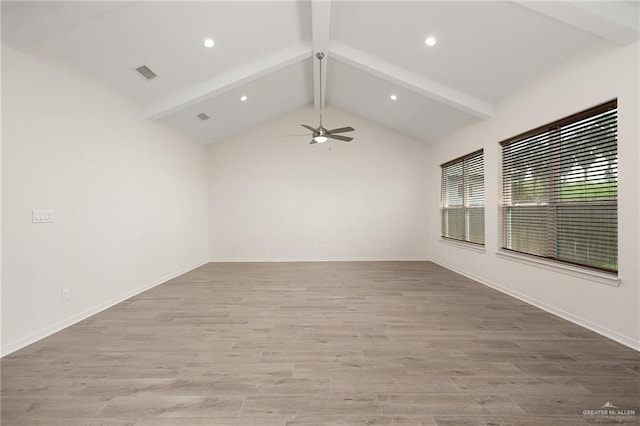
x,y
264,50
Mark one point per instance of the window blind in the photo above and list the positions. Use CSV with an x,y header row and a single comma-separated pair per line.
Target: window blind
x,y
560,187
462,194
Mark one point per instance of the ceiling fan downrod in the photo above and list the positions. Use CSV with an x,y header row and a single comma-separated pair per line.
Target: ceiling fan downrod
x,y
320,56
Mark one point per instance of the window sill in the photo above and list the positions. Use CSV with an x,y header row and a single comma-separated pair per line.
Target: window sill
x,y
467,246
599,277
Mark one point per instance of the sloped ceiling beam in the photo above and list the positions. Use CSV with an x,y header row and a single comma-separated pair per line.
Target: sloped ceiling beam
x,y
228,81
320,24
615,21
412,81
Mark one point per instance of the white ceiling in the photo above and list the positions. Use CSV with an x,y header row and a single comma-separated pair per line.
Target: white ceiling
x,y
263,50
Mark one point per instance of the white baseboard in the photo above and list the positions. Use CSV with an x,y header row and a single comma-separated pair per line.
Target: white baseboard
x,y
48,331
315,259
590,325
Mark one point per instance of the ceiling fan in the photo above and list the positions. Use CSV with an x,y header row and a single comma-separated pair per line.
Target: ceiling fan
x,y
320,134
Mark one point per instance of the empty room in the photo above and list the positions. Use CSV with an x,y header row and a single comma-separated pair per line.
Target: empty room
x,y
278,213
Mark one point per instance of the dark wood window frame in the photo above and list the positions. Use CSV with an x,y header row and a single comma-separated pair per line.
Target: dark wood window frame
x,y
559,190
462,199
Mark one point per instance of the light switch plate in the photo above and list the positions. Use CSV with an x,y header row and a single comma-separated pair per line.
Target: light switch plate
x,y
42,216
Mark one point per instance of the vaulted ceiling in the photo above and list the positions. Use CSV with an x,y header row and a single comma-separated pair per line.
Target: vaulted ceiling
x,y
263,51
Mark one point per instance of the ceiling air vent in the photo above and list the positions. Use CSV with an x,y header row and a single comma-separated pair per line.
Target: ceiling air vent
x,y
202,116
146,73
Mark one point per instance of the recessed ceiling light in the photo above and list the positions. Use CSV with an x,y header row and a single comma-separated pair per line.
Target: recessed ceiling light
x,y
209,43
393,97
243,98
430,41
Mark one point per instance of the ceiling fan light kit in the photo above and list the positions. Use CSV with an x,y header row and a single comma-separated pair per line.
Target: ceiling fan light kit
x,y
320,134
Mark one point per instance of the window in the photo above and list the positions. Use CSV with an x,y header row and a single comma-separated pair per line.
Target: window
x,y
560,188
463,198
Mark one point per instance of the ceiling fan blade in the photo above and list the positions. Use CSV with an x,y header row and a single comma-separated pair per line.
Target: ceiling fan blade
x,y
340,138
341,130
292,136
312,142
308,127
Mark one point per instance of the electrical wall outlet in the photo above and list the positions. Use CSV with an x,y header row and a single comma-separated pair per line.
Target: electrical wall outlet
x,y
64,294
42,216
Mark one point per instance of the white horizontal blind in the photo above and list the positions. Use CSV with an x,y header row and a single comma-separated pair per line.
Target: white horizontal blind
x,y
560,187
462,195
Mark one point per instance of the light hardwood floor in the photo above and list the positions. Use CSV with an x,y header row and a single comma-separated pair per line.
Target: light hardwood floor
x,y
347,343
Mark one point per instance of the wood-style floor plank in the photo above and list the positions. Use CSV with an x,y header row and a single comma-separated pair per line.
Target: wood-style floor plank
x,y
331,343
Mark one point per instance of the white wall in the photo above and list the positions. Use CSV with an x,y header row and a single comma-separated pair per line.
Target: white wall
x,y
596,76
278,198
130,198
